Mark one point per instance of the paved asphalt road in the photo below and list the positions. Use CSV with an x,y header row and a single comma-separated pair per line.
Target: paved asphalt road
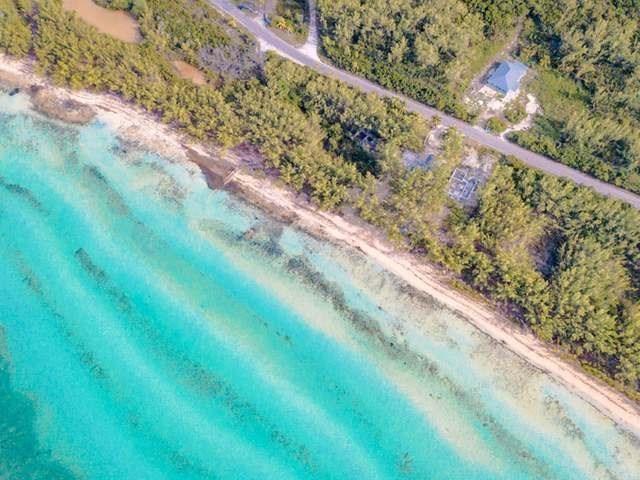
x,y
474,133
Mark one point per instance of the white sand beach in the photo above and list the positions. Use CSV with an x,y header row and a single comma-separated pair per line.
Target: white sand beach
x,y
133,124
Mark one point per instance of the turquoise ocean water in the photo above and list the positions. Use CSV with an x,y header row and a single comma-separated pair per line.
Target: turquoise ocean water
x,y
151,328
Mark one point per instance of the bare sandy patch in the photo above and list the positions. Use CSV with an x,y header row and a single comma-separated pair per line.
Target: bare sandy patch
x,y
116,23
531,108
189,72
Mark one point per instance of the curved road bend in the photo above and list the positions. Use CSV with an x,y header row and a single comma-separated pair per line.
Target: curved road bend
x,y
474,133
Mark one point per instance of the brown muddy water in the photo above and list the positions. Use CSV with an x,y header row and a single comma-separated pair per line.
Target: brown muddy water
x,y
116,23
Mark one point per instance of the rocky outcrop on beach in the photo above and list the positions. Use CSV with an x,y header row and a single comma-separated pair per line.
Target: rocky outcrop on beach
x,y
66,110
45,100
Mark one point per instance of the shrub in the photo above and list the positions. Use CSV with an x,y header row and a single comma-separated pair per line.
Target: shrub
x,y
496,125
515,112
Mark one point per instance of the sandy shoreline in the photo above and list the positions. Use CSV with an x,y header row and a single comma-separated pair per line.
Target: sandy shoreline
x,y
142,128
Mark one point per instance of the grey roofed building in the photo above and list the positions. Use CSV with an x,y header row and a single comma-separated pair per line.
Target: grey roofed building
x,y
506,78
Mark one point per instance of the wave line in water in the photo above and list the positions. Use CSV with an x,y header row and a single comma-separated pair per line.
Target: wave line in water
x,y
162,330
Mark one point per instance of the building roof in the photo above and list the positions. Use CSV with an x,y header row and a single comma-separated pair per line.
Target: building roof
x,y
506,78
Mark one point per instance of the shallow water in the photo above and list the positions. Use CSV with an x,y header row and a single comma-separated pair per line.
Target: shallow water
x,y
153,328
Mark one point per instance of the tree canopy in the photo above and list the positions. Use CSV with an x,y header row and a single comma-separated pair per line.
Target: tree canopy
x,y
585,54
589,84
427,50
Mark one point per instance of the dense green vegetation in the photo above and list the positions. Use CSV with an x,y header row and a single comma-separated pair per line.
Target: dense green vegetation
x,y
515,111
291,16
588,57
412,212
15,35
496,125
568,259
427,50
562,259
